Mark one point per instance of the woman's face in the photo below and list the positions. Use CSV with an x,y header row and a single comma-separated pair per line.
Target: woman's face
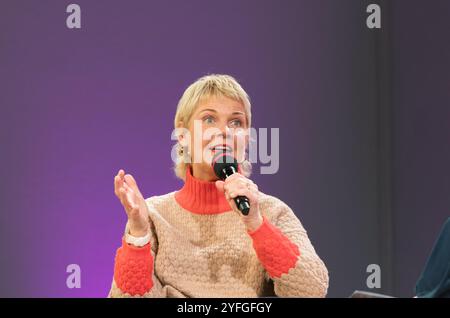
x,y
218,124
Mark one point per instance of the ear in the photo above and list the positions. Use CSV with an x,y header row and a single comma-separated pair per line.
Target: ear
x,y
183,134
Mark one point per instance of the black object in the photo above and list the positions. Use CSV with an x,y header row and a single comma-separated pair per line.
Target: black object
x,y
225,165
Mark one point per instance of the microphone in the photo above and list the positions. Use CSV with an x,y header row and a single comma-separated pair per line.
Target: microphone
x,y
225,165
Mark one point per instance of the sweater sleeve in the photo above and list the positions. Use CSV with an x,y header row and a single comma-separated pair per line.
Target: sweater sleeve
x,y
134,270
289,258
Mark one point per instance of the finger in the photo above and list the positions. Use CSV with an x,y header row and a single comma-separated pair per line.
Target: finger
x,y
232,187
131,193
131,182
247,184
232,204
254,188
126,186
123,199
240,191
120,178
252,196
243,183
231,182
220,185
234,176
121,174
130,199
117,177
116,185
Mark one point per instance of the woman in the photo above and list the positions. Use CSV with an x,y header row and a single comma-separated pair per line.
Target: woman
x,y
194,242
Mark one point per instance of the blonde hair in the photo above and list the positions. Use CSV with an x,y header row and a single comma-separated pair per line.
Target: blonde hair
x,y
212,85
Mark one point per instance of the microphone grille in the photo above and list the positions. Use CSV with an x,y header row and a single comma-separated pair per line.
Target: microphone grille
x,y
222,161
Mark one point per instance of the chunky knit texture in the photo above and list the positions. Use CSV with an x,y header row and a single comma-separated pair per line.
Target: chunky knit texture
x,y
133,269
200,248
275,251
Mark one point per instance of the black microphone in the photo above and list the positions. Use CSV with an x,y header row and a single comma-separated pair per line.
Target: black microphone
x,y
225,165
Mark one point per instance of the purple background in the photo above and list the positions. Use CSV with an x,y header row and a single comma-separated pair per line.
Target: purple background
x,y
421,139
77,105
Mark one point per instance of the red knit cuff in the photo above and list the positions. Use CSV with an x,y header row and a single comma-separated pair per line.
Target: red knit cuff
x,y
133,269
275,251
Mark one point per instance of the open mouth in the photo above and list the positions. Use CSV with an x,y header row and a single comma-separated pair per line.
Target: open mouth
x,y
221,148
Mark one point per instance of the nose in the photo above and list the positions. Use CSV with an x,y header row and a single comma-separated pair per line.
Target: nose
x,y
224,131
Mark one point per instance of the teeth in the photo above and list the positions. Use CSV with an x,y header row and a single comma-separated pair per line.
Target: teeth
x,y
221,148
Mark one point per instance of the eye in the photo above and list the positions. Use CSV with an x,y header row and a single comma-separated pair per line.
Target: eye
x,y
208,120
236,123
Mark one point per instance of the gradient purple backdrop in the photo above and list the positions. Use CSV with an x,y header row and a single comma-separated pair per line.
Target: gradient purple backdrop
x,y
77,105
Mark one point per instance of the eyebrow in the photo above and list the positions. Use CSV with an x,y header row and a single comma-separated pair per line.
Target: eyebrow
x,y
215,111
209,109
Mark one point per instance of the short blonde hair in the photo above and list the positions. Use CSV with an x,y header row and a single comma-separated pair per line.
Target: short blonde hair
x,y
205,87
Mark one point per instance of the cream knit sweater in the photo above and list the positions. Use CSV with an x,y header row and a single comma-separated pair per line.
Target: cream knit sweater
x,y
199,247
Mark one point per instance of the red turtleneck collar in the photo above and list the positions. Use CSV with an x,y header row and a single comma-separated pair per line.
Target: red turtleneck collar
x,y
201,197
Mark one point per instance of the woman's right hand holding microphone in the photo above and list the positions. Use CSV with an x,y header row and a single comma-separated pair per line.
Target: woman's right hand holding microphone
x,y
127,191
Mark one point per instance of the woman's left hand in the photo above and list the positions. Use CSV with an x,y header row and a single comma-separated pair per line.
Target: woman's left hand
x,y
237,185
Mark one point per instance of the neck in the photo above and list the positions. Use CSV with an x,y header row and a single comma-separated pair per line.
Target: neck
x,y
202,173
200,196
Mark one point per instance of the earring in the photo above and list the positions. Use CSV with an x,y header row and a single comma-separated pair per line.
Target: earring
x,y
186,151
186,154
